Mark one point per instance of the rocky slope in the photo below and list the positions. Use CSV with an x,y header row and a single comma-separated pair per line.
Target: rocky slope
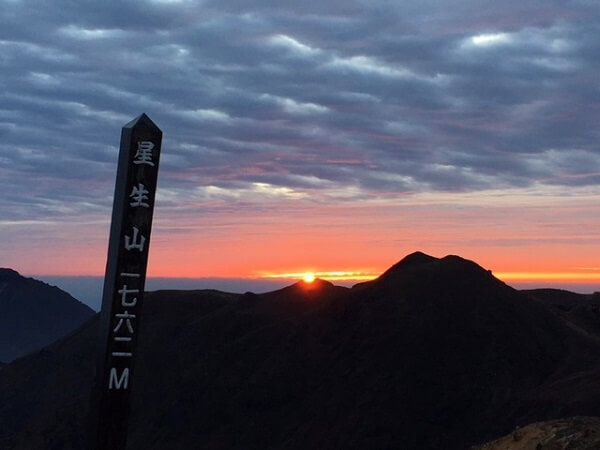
x,y
577,433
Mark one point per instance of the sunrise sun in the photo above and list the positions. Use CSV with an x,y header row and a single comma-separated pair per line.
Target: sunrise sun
x,y
308,277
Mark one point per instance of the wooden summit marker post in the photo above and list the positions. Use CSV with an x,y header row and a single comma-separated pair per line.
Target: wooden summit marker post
x,y
124,282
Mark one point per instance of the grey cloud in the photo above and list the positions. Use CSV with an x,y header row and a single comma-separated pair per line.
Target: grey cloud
x,y
378,97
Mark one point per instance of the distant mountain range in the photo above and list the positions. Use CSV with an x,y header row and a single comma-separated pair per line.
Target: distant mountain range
x,y
434,354
34,314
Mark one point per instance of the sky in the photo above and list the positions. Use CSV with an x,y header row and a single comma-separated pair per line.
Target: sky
x,y
326,136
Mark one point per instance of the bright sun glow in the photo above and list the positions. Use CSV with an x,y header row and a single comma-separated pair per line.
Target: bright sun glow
x,y
330,276
309,277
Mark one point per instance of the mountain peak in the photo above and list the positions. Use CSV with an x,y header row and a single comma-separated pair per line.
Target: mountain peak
x,y
316,288
317,283
417,258
412,260
302,291
419,265
34,314
8,274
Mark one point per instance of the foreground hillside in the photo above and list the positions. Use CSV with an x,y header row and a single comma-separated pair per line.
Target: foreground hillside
x,y
435,354
577,433
34,314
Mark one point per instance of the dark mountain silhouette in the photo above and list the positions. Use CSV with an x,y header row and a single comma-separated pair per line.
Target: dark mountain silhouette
x,y
581,311
434,354
34,314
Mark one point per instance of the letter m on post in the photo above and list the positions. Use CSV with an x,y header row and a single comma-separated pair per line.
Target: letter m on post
x,y
118,382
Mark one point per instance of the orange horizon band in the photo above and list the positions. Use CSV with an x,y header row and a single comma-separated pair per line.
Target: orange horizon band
x,y
336,276
506,276
549,276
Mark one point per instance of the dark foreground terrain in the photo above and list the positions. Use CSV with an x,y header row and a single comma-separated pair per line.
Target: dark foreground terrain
x,y
576,433
434,354
34,314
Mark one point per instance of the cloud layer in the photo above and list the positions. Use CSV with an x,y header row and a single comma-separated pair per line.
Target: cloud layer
x,y
276,103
